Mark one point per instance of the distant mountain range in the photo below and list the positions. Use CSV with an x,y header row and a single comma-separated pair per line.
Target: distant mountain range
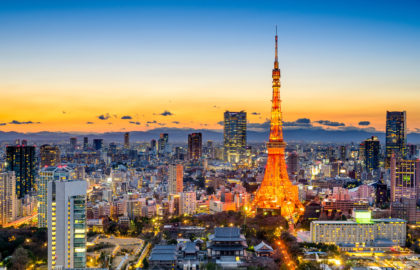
x,y
177,135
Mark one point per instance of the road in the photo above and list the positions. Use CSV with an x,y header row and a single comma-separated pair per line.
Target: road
x,y
143,255
285,254
21,221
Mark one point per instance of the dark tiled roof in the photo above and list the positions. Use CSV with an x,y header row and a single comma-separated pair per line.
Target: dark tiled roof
x,y
227,232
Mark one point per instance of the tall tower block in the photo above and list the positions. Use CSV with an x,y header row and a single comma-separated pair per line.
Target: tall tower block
x,y
276,193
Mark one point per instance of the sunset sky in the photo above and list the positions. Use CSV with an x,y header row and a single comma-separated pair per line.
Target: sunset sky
x,y
84,65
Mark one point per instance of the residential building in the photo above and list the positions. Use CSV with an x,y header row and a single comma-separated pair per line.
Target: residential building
x,y
46,175
66,224
8,201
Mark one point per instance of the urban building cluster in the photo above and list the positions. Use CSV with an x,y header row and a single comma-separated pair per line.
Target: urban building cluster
x,y
89,192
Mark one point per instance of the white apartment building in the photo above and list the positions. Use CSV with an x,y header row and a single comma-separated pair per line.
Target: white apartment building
x,y
67,224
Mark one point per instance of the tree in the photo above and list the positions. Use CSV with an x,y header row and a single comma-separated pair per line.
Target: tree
x,y
145,263
210,190
20,259
309,266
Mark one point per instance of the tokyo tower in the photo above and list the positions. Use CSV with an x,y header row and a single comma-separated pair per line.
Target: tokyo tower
x,y
276,193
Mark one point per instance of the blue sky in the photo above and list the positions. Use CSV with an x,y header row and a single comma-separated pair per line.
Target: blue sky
x,y
345,61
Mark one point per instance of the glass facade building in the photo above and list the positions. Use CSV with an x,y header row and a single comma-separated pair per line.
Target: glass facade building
x,y
396,136
21,160
234,136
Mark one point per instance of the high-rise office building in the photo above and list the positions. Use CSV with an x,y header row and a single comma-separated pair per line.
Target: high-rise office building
x,y
67,224
405,178
163,144
97,144
126,140
412,151
396,136
50,155
85,143
343,152
8,201
234,135
372,153
21,160
46,175
175,178
293,164
73,143
195,147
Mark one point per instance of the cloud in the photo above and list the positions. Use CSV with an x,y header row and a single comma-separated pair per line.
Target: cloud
x,y
166,113
301,122
104,116
222,123
353,128
255,113
364,123
3,124
259,126
15,122
155,123
126,117
89,123
330,123
64,112
175,122
134,122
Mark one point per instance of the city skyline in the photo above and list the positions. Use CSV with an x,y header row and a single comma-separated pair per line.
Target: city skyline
x,y
139,66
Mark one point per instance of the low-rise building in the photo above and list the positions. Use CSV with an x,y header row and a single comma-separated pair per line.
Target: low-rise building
x,y
226,242
363,230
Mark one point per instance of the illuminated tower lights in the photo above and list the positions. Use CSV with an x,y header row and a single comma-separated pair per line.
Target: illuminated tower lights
x,y
276,193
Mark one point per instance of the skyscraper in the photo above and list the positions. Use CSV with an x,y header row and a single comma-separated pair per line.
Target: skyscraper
x,y
405,178
21,160
85,143
293,164
175,178
372,151
195,147
343,152
50,155
234,136
67,224
163,144
126,140
8,203
396,136
97,144
46,175
276,193
73,143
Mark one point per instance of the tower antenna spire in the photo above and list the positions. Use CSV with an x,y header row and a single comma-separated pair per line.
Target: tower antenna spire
x,y
276,61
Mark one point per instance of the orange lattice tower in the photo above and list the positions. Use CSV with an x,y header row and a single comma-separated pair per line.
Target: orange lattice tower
x,y
276,193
